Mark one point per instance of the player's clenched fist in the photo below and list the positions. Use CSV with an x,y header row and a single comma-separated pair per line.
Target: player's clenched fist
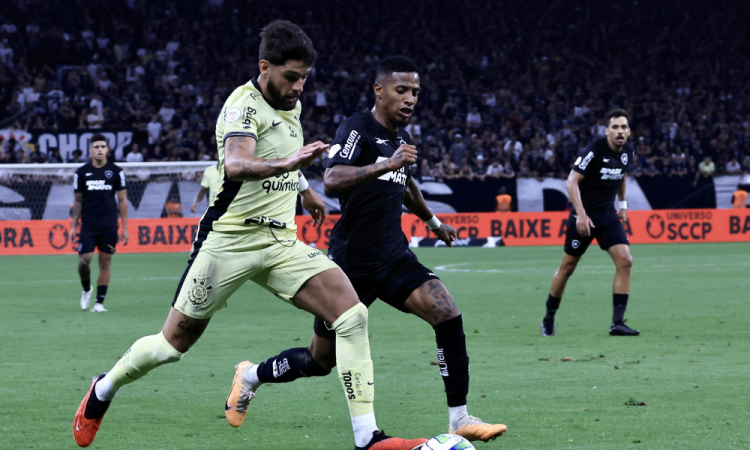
x,y
405,155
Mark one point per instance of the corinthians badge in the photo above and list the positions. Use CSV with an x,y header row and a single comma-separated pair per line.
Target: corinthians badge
x,y
198,294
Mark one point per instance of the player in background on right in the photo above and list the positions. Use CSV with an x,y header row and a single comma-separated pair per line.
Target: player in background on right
x,y
598,174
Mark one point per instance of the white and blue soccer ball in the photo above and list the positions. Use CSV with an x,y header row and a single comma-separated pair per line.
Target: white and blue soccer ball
x,y
448,442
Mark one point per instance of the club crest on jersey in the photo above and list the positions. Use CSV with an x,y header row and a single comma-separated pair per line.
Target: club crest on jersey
x,y
108,173
198,294
624,158
397,176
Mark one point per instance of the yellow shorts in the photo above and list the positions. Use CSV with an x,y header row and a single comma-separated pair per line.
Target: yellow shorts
x,y
225,261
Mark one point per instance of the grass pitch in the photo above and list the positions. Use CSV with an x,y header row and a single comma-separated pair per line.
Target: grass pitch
x,y
681,384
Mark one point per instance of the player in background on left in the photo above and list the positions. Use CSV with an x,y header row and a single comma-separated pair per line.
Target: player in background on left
x,y
95,185
210,184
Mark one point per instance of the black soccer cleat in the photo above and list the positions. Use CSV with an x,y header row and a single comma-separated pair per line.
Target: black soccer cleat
x,y
548,328
620,329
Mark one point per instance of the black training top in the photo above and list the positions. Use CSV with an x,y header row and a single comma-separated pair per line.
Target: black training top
x,y
368,236
603,171
98,187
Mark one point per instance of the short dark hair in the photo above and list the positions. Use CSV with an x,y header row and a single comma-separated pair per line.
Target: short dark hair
x,y
615,113
399,64
97,138
282,41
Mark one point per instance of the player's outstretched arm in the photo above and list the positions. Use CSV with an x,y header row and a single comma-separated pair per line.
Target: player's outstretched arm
x,y
242,164
583,223
341,178
414,200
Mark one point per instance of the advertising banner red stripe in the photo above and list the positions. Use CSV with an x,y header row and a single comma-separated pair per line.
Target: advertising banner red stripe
x,y
52,237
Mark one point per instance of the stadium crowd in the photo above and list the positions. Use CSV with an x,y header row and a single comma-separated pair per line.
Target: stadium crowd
x,y
509,89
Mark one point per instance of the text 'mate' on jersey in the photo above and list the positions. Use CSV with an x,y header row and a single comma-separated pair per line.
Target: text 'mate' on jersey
x,y
369,234
603,170
240,206
99,187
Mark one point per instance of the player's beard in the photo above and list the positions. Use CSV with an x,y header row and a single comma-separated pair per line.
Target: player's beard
x,y
277,100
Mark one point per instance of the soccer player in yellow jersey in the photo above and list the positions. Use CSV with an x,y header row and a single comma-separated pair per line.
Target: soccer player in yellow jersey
x,y
248,233
210,184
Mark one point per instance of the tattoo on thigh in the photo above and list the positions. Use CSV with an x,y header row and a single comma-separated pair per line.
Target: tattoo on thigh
x,y
190,326
442,305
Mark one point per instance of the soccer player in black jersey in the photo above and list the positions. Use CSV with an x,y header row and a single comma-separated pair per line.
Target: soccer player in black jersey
x,y
598,174
95,185
369,166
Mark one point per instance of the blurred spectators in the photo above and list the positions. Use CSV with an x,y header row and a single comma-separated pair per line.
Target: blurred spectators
x,y
518,86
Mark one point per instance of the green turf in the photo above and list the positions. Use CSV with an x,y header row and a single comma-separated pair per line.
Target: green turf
x,y
689,366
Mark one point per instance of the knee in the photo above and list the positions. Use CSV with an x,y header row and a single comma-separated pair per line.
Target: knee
x,y
625,263
354,319
567,269
104,264
84,261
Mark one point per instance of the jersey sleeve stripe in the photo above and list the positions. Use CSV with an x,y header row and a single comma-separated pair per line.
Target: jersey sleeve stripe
x,y
240,133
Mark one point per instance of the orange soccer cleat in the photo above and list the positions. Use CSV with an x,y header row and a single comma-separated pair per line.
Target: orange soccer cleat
x,y
89,416
239,397
474,429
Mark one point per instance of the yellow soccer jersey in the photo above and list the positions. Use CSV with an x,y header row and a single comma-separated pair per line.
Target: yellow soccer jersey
x,y
242,206
211,181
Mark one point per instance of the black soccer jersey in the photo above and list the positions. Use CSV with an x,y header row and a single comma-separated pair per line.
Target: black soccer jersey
x,y
603,170
368,236
98,186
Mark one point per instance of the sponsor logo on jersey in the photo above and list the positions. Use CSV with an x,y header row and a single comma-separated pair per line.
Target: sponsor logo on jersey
x,y
231,115
605,159
97,185
351,143
381,141
249,113
397,176
314,254
586,160
88,174
333,150
611,174
280,184
292,132
624,158
275,124
280,368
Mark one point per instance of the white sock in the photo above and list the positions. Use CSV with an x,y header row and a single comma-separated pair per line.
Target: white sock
x,y
250,375
105,390
364,425
455,413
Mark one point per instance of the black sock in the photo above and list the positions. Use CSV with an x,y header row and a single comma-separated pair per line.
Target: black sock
x,y
553,304
86,284
101,292
619,304
453,360
289,365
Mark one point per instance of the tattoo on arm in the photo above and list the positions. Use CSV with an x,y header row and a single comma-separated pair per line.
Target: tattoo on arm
x,y
243,165
341,178
234,143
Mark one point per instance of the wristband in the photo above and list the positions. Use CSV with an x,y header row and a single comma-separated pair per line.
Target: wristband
x,y
303,184
433,223
623,204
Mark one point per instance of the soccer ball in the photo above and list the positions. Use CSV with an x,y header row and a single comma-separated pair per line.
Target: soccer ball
x,y
448,442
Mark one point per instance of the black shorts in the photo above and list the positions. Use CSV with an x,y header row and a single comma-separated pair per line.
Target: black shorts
x,y
104,240
393,286
608,233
